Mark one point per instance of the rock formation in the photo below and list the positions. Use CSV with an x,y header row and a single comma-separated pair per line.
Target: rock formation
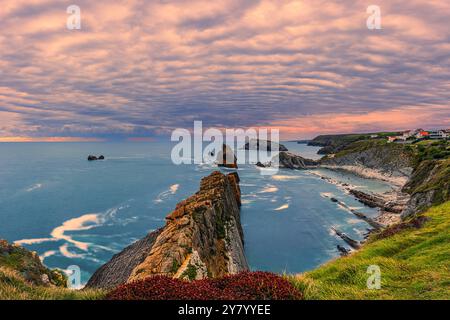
x,y
265,145
226,158
29,266
292,161
388,163
202,238
93,158
377,201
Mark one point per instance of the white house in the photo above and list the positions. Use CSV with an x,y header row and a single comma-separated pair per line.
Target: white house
x,y
438,134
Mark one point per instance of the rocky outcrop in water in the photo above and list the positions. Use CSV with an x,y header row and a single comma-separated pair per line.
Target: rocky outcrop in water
x,y
292,161
265,145
226,158
202,238
94,158
377,201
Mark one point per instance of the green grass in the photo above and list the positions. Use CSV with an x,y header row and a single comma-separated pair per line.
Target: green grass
x,y
431,175
14,287
414,264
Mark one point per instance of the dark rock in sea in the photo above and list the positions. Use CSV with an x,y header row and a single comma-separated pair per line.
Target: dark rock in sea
x,y
334,200
226,158
375,201
265,145
259,164
352,243
202,238
343,251
94,158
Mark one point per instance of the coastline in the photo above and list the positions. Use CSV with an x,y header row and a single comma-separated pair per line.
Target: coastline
x,y
394,197
368,173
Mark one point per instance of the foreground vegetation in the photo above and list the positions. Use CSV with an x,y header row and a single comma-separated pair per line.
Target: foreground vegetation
x,y
413,258
13,286
24,277
414,264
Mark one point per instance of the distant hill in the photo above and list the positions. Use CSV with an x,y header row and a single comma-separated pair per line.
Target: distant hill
x,y
337,142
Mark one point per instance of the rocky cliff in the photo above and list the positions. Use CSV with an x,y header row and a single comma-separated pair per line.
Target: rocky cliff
x,y
386,162
429,185
292,161
202,238
28,265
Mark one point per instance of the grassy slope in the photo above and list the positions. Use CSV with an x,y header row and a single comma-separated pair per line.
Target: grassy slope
x,y
14,287
21,278
414,265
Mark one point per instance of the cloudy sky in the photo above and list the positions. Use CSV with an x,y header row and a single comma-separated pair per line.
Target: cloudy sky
x,y
140,68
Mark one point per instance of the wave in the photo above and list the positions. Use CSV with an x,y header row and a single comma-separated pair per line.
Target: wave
x,y
64,249
34,187
284,178
47,254
82,223
269,189
163,195
77,224
283,207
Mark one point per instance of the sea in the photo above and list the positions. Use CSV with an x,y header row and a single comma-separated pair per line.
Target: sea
x,y
75,212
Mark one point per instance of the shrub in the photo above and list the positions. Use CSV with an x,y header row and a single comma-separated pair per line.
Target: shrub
x,y
256,286
242,286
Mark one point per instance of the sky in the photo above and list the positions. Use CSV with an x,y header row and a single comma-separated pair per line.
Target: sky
x,y
139,69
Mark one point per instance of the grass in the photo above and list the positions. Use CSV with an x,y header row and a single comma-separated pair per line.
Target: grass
x,y
14,287
431,175
414,264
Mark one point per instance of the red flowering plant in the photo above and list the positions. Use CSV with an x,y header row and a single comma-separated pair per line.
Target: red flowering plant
x,y
242,286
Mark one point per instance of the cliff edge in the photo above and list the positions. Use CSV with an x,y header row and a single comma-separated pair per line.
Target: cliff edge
x,y
202,238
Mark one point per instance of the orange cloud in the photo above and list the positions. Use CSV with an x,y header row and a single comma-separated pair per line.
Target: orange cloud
x,y
49,139
402,118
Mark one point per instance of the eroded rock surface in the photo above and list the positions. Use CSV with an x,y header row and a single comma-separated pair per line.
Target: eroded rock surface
x,y
202,238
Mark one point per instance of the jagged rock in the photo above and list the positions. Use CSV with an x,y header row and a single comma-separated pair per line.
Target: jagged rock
x,y
265,145
375,201
292,161
259,164
343,251
226,158
119,268
352,243
202,237
379,162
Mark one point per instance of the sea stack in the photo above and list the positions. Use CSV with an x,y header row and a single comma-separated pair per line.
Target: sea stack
x,y
202,238
226,158
94,158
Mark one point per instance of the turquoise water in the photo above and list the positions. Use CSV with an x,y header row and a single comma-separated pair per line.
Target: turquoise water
x,y
75,212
